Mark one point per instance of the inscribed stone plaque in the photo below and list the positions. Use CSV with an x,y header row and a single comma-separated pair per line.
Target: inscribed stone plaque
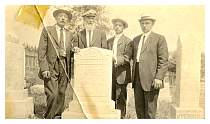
x,y
92,83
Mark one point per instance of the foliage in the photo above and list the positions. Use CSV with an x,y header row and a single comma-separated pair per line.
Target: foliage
x,y
102,22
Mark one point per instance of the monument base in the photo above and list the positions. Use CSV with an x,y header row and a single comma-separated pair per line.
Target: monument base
x,y
164,94
186,113
20,107
100,110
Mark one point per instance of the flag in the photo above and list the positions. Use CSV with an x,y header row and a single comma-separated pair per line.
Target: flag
x,y
32,14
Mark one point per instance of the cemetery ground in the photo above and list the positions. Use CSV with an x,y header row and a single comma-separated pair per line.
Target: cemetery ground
x,y
37,92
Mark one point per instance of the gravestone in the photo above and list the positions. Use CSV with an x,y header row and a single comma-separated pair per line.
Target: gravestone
x,y
188,63
92,85
18,104
164,100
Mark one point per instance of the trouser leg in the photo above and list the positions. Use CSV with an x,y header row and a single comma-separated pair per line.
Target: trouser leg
x,y
55,89
145,101
151,98
139,101
62,85
121,98
51,91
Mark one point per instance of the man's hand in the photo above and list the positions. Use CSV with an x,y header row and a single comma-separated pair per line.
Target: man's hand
x,y
76,49
46,74
157,84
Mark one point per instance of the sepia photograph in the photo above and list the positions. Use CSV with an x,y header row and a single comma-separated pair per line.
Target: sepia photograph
x,y
104,61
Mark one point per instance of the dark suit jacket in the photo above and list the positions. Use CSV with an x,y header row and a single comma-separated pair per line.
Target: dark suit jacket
x,y
46,52
122,73
153,62
98,39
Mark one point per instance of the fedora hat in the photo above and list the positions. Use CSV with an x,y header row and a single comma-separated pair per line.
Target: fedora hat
x,y
125,24
56,12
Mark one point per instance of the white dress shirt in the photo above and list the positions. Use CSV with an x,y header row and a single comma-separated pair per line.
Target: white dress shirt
x,y
114,49
87,36
140,44
58,29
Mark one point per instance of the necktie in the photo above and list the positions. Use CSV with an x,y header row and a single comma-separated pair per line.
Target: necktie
x,y
89,33
61,39
143,42
62,47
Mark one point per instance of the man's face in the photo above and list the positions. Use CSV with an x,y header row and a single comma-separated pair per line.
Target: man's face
x,y
146,25
118,27
62,19
89,21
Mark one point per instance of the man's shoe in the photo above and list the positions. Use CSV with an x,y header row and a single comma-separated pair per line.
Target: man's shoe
x,y
57,117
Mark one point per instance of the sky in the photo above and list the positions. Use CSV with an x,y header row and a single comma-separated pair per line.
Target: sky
x,y
171,21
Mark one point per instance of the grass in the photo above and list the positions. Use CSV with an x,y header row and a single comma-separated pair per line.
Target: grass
x,y
37,92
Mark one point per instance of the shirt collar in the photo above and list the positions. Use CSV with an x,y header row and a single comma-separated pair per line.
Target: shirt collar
x,y
59,28
118,35
147,34
90,28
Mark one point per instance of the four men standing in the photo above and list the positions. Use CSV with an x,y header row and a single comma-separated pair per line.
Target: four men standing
x,y
148,51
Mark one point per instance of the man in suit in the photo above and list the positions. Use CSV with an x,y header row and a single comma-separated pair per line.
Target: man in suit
x,y
54,52
149,52
90,36
121,73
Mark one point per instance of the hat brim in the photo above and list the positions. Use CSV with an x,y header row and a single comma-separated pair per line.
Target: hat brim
x,y
125,24
56,12
147,19
90,15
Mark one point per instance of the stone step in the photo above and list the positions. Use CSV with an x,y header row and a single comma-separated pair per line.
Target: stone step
x,y
101,107
73,115
95,98
90,91
77,115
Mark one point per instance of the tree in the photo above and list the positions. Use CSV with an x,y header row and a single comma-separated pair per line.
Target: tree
x,y
102,22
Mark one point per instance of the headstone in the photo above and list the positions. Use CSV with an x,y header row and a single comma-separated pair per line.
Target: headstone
x,y
92,85
164,94
164,100
187,94
18,104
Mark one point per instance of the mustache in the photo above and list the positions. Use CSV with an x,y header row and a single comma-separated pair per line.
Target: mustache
x,y
62,21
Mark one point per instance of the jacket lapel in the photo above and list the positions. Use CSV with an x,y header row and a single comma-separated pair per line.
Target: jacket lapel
x,y
68,41
120,41
111,41
83,37
53,34
149,38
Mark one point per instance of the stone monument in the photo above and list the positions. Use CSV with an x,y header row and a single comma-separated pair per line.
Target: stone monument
x,y
92,85
18,104
188,63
